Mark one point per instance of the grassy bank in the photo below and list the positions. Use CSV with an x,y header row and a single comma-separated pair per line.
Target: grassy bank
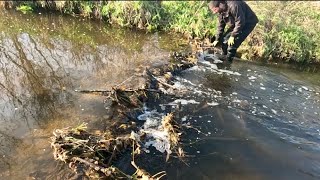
x,y
287,31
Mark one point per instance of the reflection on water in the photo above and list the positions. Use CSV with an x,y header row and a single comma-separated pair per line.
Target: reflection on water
x,y
44,58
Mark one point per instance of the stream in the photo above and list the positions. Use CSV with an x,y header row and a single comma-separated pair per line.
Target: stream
x,y
250,122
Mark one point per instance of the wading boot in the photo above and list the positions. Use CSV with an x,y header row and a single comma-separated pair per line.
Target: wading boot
x,y
228,62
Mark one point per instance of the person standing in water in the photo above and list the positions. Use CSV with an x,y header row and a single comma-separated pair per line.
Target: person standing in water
x,y
241,21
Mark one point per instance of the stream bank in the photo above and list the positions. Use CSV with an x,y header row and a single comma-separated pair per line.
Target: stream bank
x,y
288,34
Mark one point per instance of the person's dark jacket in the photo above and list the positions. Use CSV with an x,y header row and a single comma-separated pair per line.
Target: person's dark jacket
x,y
237,16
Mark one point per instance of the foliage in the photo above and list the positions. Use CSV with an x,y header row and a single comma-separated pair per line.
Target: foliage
x,y
25,8
141,14
288,32
189,17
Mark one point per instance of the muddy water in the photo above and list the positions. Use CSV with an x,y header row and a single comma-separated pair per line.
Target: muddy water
x,y
44,58
253,122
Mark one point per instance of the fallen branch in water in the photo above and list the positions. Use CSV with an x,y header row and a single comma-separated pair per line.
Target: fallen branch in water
x,y
110,91
158,80
95,154
144,175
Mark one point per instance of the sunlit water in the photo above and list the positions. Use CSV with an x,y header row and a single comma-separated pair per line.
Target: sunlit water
x,y
44,59
252,122
263,124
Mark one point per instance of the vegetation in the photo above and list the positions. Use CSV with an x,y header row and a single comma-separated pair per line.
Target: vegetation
x,y
289,32
25,8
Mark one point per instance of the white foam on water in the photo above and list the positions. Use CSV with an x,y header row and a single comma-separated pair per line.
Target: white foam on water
x,y
147,114
158,139
197,92
184,102
230,72
178,85
213,67
186,81
155,133
209,65
252,77
263,113
212,56
196,68
213,104
236,101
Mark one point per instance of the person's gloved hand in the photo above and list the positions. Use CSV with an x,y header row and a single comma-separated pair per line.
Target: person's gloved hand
x,y
215,43
230,41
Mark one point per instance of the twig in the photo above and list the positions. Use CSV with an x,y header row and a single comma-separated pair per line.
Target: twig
x,y
92,91
190,127
163,173
99,168
180,158
110,91
166,84
94,166
124,81
158,80
112,155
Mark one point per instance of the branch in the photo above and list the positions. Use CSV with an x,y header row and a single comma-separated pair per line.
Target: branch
x,y
158,80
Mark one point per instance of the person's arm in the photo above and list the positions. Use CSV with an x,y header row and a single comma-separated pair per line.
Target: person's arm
x,y
220,30
239,17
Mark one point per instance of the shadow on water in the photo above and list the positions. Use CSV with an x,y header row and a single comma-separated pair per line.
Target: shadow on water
x,y
44,58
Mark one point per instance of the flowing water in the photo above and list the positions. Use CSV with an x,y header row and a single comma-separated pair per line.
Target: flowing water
x,y
252,122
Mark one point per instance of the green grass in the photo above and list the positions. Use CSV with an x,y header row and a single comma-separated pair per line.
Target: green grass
x,y
25,8
290,32
189,17
287,30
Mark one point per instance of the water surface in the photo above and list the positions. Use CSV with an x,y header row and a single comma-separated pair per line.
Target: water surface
x,y
254,122
44,59
265,126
